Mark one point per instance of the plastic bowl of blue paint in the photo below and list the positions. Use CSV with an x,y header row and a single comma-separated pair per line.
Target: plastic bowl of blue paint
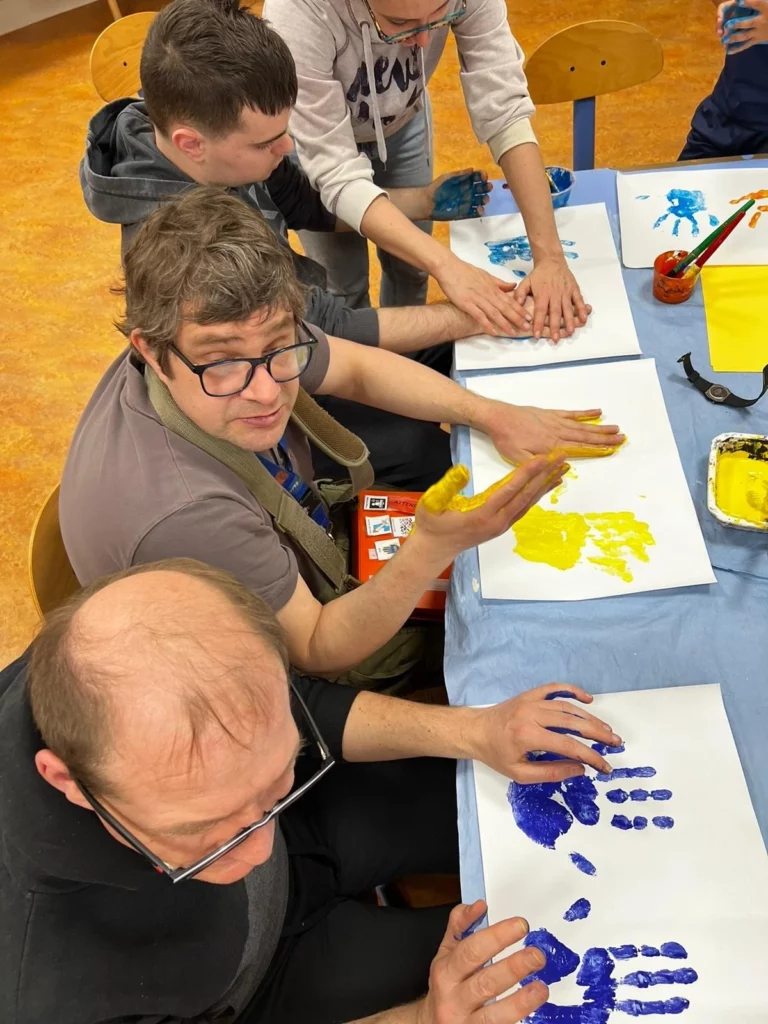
x,y
563,181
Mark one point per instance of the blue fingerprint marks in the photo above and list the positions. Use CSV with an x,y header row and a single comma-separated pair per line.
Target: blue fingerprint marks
x,y
578,910
684,207
663,821
621,821
596,976
585,866
519,248
645,772
674,951
605,748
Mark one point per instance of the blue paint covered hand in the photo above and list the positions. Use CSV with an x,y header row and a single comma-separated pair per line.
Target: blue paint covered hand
x,y
458,195
741,26
596,976
546,811
685,205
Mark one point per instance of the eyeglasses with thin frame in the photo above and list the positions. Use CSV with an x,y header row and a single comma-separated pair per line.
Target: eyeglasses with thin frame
x,y
182,874
226,377
408,33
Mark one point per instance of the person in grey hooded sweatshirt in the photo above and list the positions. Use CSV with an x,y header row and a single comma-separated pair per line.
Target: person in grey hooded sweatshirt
x,y
362,124
218,87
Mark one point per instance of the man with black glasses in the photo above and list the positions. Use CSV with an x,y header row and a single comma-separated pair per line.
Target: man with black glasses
x,y
153,740
163,460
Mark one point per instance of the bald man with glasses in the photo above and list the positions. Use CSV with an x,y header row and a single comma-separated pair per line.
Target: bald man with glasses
x,y
190,835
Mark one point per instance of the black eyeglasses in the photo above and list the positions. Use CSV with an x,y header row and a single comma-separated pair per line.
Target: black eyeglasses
x,y
228,377
182,874
408,33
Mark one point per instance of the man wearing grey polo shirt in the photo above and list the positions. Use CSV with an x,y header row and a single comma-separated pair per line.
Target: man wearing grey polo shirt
x,y
214,318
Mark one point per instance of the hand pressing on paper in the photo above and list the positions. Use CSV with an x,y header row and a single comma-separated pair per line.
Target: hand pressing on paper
x,y
557,297
474,328
487,300
596,975
503,737
520,431
462,981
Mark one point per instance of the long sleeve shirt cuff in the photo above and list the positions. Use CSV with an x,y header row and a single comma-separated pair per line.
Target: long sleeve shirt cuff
x,y
513,135
353,200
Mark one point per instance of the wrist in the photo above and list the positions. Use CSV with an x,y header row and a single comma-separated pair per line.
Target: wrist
x,y
484,413
429,554
438,261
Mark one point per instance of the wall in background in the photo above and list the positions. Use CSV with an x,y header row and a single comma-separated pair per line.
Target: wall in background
x,y
18,13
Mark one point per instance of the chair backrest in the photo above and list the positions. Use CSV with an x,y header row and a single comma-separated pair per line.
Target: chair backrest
x,y
116,55
51,576
591,59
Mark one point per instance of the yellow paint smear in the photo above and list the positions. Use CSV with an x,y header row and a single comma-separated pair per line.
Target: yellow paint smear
x,y
741,486
559,539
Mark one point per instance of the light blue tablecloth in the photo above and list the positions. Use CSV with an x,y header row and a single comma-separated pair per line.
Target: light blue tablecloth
x,y
712,634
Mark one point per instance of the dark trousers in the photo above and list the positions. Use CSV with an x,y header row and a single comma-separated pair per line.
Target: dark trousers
x,y
713,134
341,959
407,455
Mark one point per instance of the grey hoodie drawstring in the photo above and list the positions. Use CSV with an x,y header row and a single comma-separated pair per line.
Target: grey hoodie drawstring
x,y
427,107
381,144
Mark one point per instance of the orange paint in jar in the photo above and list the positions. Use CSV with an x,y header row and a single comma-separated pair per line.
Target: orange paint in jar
x,y
673,289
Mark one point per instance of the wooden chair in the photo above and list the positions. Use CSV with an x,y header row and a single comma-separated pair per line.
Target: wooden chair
x,y
589,60
51,577
116,54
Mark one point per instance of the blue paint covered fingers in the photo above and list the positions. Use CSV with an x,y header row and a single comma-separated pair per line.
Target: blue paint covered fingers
x,y
459,196
595,973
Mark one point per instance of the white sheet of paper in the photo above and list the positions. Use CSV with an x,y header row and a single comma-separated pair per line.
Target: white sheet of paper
x,y
663,210
610,330
702,883
645,478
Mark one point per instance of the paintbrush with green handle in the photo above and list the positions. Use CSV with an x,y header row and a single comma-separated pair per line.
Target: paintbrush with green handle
x,y
694,255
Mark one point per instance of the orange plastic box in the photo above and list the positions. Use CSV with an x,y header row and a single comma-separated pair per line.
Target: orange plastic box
x,y
383,521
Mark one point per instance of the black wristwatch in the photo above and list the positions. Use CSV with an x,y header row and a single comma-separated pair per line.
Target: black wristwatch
x,y
718,393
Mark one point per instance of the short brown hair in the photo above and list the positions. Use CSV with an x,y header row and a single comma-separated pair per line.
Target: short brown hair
x,y
205,257
203,61
71,710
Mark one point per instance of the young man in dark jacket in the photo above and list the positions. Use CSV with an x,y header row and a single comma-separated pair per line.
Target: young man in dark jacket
x,y
178,846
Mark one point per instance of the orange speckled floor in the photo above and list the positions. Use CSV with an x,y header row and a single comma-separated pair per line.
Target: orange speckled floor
x,y
57,262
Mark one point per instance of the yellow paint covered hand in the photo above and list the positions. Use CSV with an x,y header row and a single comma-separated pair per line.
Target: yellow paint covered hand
x,y
444,496
519,432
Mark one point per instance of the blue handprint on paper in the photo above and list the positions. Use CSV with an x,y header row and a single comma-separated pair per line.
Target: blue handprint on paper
x,y
501,253
596,977
684,205
545,811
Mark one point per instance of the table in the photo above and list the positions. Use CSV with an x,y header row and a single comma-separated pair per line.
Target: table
x,y
709,634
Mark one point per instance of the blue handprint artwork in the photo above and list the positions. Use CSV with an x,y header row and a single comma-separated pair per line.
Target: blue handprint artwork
x,y
501,253
601,988
684,206
545,811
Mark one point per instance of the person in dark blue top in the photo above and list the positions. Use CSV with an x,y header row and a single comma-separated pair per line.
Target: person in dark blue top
x,y
733,119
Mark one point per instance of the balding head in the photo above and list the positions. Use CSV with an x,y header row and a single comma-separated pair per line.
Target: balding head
x,y
137,670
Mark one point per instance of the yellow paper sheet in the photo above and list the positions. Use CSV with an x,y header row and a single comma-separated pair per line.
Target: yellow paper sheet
x,y
736,306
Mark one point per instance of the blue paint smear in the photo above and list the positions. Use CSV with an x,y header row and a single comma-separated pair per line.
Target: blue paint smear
x,y
636,1008
674,951
650,951
578,911
628,773
662,821
563,732
684,206
604,748
661,794
642,197
621,821
595,976
584,865
639,823
620,796
617,796
561,961
559,695
645,979
536,814
624,952
580,796
519,248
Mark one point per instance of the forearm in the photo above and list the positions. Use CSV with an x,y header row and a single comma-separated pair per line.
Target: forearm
x,y
524,170
400,1015
385,225
351,628
382,380
380,728
412,328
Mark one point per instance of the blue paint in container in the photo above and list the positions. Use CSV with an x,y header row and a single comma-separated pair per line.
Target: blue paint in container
x,y
563,181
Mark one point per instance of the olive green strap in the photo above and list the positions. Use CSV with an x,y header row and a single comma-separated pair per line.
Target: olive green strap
x,y
286,512
336,441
